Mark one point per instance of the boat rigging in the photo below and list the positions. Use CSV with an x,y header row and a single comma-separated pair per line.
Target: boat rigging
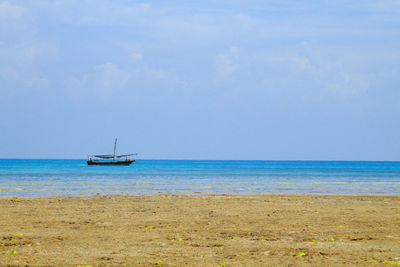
x,y
111,160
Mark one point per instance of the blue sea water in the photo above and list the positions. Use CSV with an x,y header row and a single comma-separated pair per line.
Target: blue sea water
x,y
28,178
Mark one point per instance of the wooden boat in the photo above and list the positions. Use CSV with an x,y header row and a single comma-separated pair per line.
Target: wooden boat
x,y
111,160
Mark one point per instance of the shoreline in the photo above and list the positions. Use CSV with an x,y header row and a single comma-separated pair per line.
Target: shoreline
x,y
2,197
200,230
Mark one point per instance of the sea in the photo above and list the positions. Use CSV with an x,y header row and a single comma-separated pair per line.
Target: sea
x,y
66,177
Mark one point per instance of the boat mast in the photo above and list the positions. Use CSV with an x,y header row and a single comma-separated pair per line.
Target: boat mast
x,y
115,147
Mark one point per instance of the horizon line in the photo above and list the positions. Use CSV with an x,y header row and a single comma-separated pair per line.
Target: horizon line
x,y
177,159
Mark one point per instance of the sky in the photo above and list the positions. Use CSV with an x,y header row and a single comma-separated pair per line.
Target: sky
x,y
267,80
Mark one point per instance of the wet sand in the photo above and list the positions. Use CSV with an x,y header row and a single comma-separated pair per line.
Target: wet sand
x,y
200,230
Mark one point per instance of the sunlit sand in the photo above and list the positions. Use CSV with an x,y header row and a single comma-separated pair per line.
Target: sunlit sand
x,y
224,230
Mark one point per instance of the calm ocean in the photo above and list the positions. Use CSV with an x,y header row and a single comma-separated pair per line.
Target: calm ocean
x,y
27,178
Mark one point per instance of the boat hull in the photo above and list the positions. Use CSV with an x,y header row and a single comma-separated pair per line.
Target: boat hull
x,y
111,163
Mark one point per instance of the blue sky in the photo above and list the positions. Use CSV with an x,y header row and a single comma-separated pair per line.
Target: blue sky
x,y
210,80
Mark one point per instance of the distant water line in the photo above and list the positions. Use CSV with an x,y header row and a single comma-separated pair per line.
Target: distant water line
x,y
36,178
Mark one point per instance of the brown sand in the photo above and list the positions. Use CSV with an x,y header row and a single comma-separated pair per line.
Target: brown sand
x,y
200,230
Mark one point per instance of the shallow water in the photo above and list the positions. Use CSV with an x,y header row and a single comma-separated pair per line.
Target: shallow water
x,y
29,178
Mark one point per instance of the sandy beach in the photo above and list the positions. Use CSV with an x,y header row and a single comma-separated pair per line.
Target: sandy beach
x,y
222,230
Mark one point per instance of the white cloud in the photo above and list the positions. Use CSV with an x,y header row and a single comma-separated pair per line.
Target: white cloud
x,y
104,81
38,82
112,77
348,84
228,63
235,50
8,10
111,81
386,6
135,56
308,71
144,6
28,54
98,12
164,32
